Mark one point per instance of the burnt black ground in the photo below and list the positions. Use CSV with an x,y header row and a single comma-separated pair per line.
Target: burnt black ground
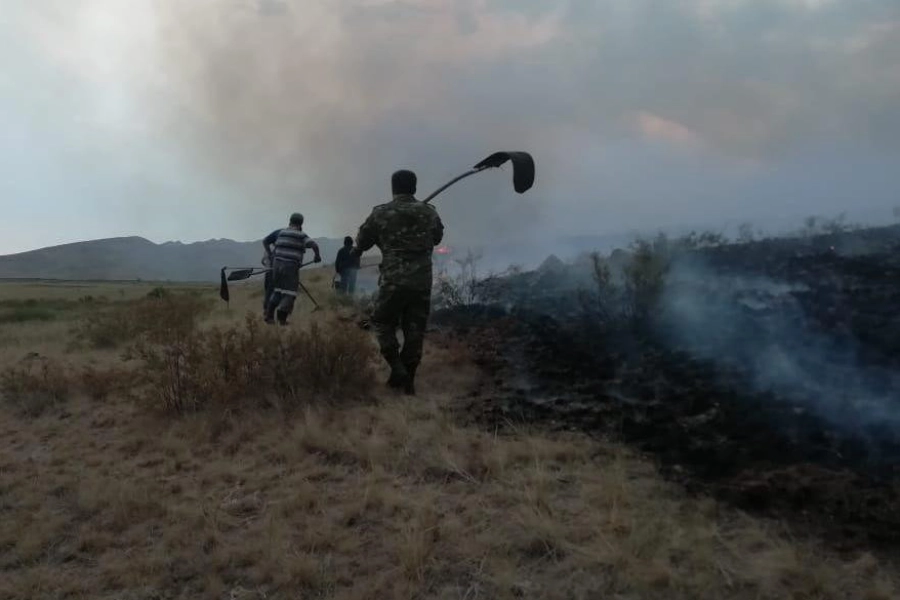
x,y
702,415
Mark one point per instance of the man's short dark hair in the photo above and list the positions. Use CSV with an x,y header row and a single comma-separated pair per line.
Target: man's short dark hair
x,y
296,219
403,182
348,241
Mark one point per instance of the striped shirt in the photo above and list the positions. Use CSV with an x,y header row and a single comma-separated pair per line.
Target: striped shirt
x,y
290,245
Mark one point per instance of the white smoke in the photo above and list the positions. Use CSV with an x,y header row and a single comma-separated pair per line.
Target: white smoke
x,y
759,323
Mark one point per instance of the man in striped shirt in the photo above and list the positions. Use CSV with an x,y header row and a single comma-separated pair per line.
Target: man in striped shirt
x,y
287,247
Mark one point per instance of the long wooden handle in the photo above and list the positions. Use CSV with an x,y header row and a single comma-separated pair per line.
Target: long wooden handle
x,y
451,182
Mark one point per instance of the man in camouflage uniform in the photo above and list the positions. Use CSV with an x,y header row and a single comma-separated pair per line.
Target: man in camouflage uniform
x,y
406,231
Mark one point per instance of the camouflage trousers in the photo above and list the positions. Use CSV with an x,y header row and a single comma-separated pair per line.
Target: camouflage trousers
x,y
407,309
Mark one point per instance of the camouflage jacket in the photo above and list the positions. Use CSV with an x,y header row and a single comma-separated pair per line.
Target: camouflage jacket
x,y
406,231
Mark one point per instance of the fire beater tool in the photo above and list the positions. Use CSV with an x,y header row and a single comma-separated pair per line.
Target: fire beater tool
x,y
242,273
523,171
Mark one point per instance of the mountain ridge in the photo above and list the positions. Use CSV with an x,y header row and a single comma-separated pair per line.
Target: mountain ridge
x,y
130,258
126,258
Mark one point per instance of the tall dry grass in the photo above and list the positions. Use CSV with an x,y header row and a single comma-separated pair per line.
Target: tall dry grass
x,y
336,498
34,385
254,365
389,501
160,315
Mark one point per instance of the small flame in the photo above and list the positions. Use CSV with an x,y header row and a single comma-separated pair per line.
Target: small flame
x,y
443,250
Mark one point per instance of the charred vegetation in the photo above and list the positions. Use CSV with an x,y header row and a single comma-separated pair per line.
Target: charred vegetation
x,y
765,372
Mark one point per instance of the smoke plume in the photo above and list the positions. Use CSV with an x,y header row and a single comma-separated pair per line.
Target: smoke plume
x,y
642,114
314,104
758,323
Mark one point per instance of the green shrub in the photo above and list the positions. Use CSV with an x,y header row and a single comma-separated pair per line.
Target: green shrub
x,y
25,314
36,309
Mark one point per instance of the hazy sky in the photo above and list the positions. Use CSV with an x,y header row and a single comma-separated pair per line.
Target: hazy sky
x,y
177,119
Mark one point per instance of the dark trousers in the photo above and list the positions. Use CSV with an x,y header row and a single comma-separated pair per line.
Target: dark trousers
x,y
348,281
285,284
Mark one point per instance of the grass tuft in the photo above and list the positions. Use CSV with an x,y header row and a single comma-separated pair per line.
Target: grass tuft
x,y
253,365
99,384
160,315
34,385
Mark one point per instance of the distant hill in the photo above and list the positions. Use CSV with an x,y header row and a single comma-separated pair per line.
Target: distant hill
x,y
130,258
530,251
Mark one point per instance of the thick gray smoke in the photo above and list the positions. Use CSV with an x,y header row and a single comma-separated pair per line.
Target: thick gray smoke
x,y
315,102
209,118
733,321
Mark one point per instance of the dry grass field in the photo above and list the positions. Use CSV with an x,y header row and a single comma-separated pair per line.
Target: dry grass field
x,y
160,444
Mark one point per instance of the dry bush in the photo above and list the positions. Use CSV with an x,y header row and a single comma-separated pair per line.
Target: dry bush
x,y
336,361
645,274
251,365
216,367
159,316
170,316
34,385
107,328
629,296
99,384
461,289
633,291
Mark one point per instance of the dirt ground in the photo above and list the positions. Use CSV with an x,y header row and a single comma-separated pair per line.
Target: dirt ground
x,y
380,497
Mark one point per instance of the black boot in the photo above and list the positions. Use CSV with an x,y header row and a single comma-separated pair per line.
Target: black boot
x,y
398,375
409,386
398,378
